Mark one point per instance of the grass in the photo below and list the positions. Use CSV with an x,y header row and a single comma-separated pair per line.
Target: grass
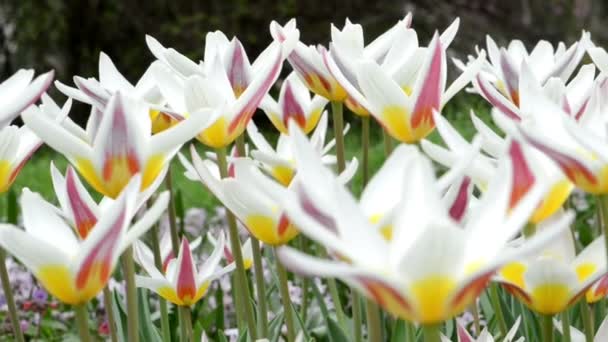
x,y
36,173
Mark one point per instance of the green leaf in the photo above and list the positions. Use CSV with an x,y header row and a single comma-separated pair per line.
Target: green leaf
x,y
120,316
147,330
274,327
398,331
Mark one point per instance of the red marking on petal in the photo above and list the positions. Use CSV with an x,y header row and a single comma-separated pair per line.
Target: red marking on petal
x,y
231,168
601,287
377,288
20,166
99,97
119,154
582,110
247,112
511,77
463,334
473,289
186,282
313,211
168,258
517,292
283,224
291,108
237,74
84,218
429,98
458,208
523,177
228,255
99,260
497,100
570,166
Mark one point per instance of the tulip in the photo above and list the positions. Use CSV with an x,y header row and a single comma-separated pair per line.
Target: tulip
x,y
19,91
485,335
71,269
144,255
183,284
246,248
415,275
122,146
294,103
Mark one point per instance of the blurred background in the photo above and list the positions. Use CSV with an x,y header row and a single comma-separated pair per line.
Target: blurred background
x,y
68,35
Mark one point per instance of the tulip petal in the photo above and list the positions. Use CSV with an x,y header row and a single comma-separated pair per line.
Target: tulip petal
x,y
429,86
110,77
34,252
26,97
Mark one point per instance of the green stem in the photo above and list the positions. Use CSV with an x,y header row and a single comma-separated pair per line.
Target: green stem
x,y
260,288
158,262
242,289
497,307
431,333
410,331
357,320
388,143
603,206
285,299
82,320
185,323
257,264
336,108
172,220
132,314
566,327
529,230
547,323
335,297
10,300
475,312
107,302
374,325
587,323
365,148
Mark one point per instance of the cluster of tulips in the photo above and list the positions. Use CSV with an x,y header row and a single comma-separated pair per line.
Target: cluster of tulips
x,y
417,248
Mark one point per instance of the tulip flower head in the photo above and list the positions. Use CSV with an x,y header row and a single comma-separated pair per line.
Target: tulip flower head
x,y
246,249
528,164
485,335
242,194
142,251
183,283
555,278
19,91
432,267
403,98
122,146
294,103
72,269
224,81
279,161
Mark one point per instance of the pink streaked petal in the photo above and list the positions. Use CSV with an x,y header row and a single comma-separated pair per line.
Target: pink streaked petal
x,y
429,97
283,224
84,218
253,95
581,110
510,75
570,166
463,334
471,290
99,260
291,107
312,210
523,177
186,279
497,99
459,206
15,171
600,289
238,67
30,95
98,96
167,260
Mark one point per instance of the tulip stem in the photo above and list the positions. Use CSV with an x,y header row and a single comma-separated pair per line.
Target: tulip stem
x,y
587,322
260,288
337,112
431,333
82,319
388,143
547,323
107,302
172,216
185,323
257,264
365,148
285,299
242,289
10,300
374,325
158,262
566,327
603,208
357,320
129,274
475,313
497,307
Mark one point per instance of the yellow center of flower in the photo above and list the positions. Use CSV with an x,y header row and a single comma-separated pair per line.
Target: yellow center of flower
x,y
266,229
431,295
386,230
160,122
169,294
59,282
5,175
514,273
550,299
283,174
